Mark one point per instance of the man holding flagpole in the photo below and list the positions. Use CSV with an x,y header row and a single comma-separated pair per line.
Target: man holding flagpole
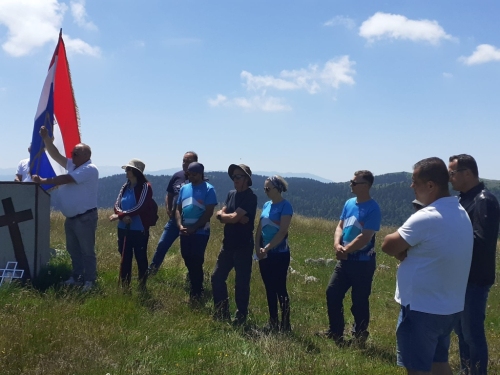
x,y
78,202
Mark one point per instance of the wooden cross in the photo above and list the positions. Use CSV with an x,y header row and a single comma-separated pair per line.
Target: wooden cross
x,y
10,272
12,220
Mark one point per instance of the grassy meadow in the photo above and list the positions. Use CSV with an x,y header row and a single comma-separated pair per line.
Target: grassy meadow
x,y
46,329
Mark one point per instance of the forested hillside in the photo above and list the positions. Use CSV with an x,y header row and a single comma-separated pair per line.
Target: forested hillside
x,y
308,197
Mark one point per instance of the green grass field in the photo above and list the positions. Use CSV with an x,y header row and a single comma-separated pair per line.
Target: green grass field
x,y
46,329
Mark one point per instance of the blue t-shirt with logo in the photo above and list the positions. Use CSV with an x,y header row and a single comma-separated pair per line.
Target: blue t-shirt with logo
x,y
129,202
270,220
359,216
194,199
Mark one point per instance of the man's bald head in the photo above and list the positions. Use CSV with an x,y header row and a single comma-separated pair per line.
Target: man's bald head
x,y
81,154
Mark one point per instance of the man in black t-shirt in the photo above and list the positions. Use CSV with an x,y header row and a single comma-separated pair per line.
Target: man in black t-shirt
x,y
171,231
238,214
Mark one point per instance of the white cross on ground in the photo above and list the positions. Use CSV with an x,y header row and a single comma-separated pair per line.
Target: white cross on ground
x,y
10,272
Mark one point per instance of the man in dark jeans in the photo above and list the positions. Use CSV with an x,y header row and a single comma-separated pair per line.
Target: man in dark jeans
x,y
355,251
238,214
171,230
484,214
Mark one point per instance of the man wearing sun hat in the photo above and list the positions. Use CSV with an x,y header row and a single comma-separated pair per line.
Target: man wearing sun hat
x,y
238,215
78,202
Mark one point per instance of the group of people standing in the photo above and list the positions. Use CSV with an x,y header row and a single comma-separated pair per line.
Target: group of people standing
x,y
447,249
190,204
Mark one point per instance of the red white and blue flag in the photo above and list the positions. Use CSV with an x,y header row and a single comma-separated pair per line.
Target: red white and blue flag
x,y
57,111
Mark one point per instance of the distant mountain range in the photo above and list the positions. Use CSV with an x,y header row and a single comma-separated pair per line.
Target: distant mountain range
x,y
7,174
308,197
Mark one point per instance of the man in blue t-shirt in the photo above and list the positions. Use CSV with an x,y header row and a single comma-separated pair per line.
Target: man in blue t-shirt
x,y
195,207
171,231
355,251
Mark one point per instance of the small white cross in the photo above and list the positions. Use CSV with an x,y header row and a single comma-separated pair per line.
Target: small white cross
x,y
10,272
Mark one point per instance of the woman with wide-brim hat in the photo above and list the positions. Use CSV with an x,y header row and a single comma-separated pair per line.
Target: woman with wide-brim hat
x,y
131,209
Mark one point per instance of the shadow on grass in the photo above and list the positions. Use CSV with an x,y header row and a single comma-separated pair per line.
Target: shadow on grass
x,y
253,332
384,354
52,275
147,300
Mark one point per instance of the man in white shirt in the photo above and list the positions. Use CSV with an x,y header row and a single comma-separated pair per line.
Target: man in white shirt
x,y
78,202
23,170
435,247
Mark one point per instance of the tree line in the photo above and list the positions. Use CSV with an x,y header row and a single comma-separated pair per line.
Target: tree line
x,y
308,197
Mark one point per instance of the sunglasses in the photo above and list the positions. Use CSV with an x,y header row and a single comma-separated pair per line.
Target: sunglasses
x,y
354,183
237,176
455,171
266,189
75,154
128,169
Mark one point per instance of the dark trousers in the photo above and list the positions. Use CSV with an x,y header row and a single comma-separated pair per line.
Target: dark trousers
x,y
241,261
193,249
136,242
274,270
470,331
357,275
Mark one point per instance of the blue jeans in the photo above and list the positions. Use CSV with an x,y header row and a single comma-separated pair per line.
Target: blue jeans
x,y
423,338
472,343
170,234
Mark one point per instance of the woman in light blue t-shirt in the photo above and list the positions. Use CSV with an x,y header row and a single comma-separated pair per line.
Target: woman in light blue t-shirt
x,y
271,248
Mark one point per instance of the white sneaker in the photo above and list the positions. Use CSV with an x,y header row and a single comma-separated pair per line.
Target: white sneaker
x,y
72,282
87,286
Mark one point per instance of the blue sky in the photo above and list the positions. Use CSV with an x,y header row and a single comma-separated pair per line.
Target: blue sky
x,y
325,87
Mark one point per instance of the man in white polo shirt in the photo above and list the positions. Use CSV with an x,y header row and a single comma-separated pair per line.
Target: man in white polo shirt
x,y
435,246
23,169
78,202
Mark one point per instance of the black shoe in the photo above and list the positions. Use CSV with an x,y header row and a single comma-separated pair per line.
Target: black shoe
x,y
273,326
239,319
152,270
360,339
222,312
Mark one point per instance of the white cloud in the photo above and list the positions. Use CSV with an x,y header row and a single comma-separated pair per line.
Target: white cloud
x,y
311,79
259,82
258,102
447,75
80,15
80,47
394,26
341,21
484,53
32,24
220,99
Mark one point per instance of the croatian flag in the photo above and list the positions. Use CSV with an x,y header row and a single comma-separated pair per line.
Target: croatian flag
x,y
57,111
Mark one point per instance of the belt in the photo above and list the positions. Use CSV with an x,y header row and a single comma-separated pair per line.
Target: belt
x,y
85,213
